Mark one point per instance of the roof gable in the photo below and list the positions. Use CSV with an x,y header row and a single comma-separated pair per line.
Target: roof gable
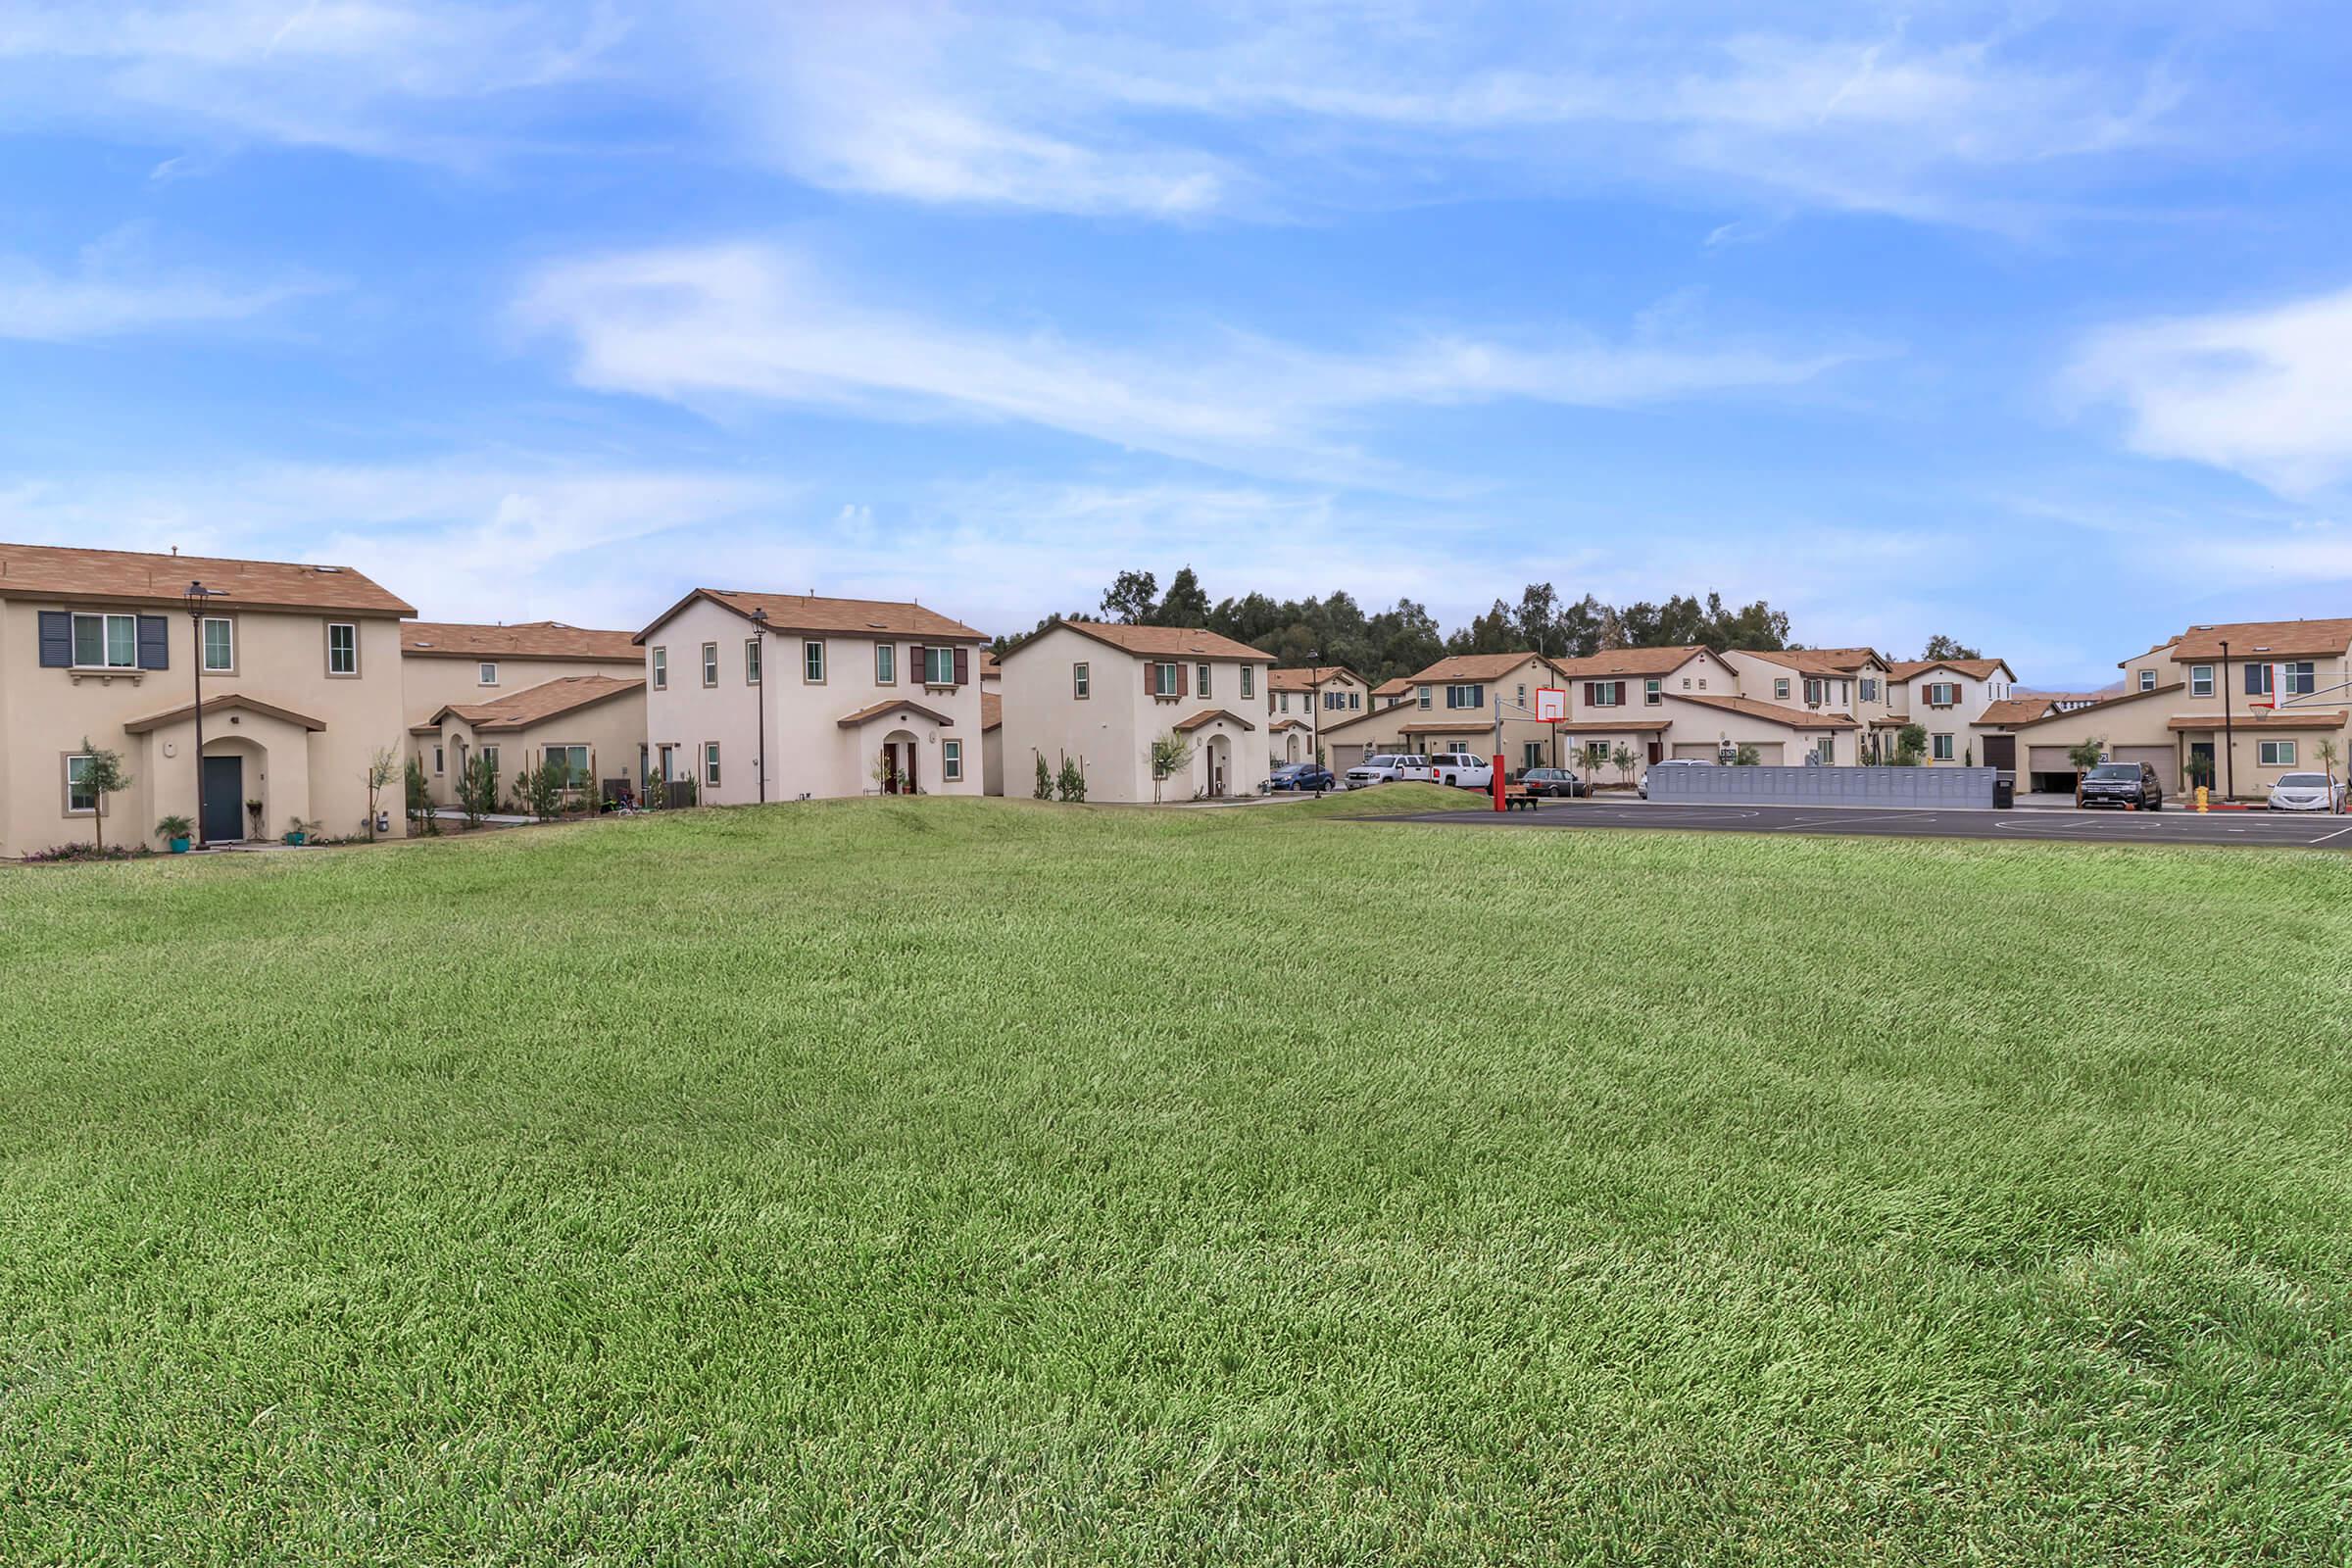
x,y
124,577
813,613
536,705
1152,642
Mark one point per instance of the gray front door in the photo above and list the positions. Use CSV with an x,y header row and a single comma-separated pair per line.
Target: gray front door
x,y
223,799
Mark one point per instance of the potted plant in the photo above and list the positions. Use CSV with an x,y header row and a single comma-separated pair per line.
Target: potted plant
x,y
253,808
298,831
176,830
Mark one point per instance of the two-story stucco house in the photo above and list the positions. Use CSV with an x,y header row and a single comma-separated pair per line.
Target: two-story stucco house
x,y
1629,700
1300,704
1099,694
455,677
1450,707
300,669
2185,709
1948,697
780,697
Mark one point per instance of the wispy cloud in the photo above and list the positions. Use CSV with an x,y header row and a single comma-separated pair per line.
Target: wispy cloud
x,y
116,289
764,322
2263,392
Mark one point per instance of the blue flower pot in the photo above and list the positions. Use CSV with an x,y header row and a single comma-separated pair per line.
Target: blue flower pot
x,y
179,846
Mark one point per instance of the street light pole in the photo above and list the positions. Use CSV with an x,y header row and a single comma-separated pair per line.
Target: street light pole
x,y
760,693
1314,699
195,599
2229,731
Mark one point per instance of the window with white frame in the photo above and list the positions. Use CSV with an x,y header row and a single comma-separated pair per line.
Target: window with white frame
x,y
1082,680
1653,693
1201,678
2147,680
573,759
710,763
1466,696
1942,693
709,664
2302,679
886,664
489,757
660,669
1421,696
2200,681
1163,678
1941,748
440,761
1596,753
751,660
950,761
939,666
1248,682
2258,680
220,645
1815,692
106,641
1870,688
2276,753
80,799
342,647
1780,688
812,662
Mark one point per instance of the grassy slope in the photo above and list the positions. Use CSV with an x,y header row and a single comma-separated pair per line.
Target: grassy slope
x,y
978,1180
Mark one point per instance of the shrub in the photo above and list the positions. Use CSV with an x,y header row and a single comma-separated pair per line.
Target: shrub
x,y
1072,786
1045,779
477,789
90,852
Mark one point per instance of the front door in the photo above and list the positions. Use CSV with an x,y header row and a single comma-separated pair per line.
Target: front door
x,y
2200,772
223,799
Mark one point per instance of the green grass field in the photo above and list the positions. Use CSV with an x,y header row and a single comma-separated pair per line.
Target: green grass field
x,y
980,1182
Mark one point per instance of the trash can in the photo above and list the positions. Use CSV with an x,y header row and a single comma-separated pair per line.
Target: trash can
x,y
2004,792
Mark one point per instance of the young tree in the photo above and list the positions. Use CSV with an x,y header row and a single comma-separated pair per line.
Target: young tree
x,y
420,802
1073,781
382,768
2330,755
1045,779
2087,755
477,789
1169,754
101,775
1623,758
1745,754
1910,745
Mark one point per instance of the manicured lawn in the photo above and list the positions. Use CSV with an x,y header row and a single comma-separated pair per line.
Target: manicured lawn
x,y
974,1181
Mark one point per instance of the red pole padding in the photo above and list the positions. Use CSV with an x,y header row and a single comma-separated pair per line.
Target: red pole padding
x,y
1497,782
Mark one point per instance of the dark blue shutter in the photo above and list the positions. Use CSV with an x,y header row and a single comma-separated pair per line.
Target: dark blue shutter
x,y
155,643
57,638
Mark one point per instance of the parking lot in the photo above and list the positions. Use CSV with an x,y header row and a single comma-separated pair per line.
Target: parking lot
x,y
2261,829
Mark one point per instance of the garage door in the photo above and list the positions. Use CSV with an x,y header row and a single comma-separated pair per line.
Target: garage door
x,y
2000,750
2159,757
1705,753
2050,760
1768,753
1343,758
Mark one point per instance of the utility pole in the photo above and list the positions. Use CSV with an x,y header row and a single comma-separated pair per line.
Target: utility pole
x,y
760,693
2230,730
195,599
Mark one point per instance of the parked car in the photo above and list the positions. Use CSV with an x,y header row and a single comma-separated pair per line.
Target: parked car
x,y
2307,791
1672,761
2119,785
1413,769
1462,771
1380,768
1559,781
1302,776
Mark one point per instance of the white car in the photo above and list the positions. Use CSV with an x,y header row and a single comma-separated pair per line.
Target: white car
x,y
1380,768
2307,791
1673,762
1413,769
1463,770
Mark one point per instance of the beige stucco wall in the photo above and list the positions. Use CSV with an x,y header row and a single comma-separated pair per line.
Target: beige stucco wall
x,y
1957,719
280,659
1697,723
613,730
1111,730
809,753
432,682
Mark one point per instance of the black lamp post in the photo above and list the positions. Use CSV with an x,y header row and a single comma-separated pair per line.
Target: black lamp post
x,y
1314,696
759,695
195,599
2229,731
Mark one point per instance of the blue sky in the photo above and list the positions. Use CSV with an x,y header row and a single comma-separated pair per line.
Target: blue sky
x,y
2032,325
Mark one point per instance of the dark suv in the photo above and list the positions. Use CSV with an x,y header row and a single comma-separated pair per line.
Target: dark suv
x,y
2119,784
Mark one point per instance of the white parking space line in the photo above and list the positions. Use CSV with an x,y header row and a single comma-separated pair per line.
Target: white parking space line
x,y
2337,834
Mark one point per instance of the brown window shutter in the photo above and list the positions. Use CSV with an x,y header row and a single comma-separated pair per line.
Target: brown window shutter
x,y
1151,687
1591,694
1620,694
1183,684
963,666
915,666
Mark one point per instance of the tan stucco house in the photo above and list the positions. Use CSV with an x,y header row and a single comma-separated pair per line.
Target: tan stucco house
x,y
1627,698
301,679
848,697
1101,694
594,724
1449,707
451,665
1300,704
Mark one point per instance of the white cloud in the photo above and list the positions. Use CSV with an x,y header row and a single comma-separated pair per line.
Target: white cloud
x,y
113,291
756,321
2265,393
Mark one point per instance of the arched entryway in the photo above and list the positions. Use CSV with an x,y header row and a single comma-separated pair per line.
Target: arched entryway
x,y
897,767
235,771
1220,767
1290,748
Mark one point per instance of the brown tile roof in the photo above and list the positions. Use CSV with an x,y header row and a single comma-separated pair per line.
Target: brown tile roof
x,y
233,703
528,639
1207,716
989,665
1164,642
2256,641
874,710
1633,662
1393,688
992,712
2014,711
1792,718
535,704
812,613
2264,718
1818,660
1475,666
49,571
1281,724
1606,727
1306,680
2102,703
1973,669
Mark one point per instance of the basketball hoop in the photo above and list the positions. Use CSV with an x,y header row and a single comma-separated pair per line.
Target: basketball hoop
x,y
1552,704
2276,683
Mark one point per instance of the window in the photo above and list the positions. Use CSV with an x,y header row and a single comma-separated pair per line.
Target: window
x,y
710,763
950,761
1471,696
751,660
939,666
574,761
1248,682
812,662
1531,754
1202,675
489,754
1164,680
2302,679
1421,696
1686,683
1779,689
1942,693
886,664
1335,702
1653,693
660,669
2276,753
1356,698
1521,699
106,641
440,762
1815,692
1941,747
1604,693
220,645
1702,683
1870,688
2147,680
2258,680
80,799
1082,680
1596,753
342,647
2200,681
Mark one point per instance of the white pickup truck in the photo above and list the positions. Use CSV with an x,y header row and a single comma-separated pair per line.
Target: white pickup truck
x,y
1462,771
